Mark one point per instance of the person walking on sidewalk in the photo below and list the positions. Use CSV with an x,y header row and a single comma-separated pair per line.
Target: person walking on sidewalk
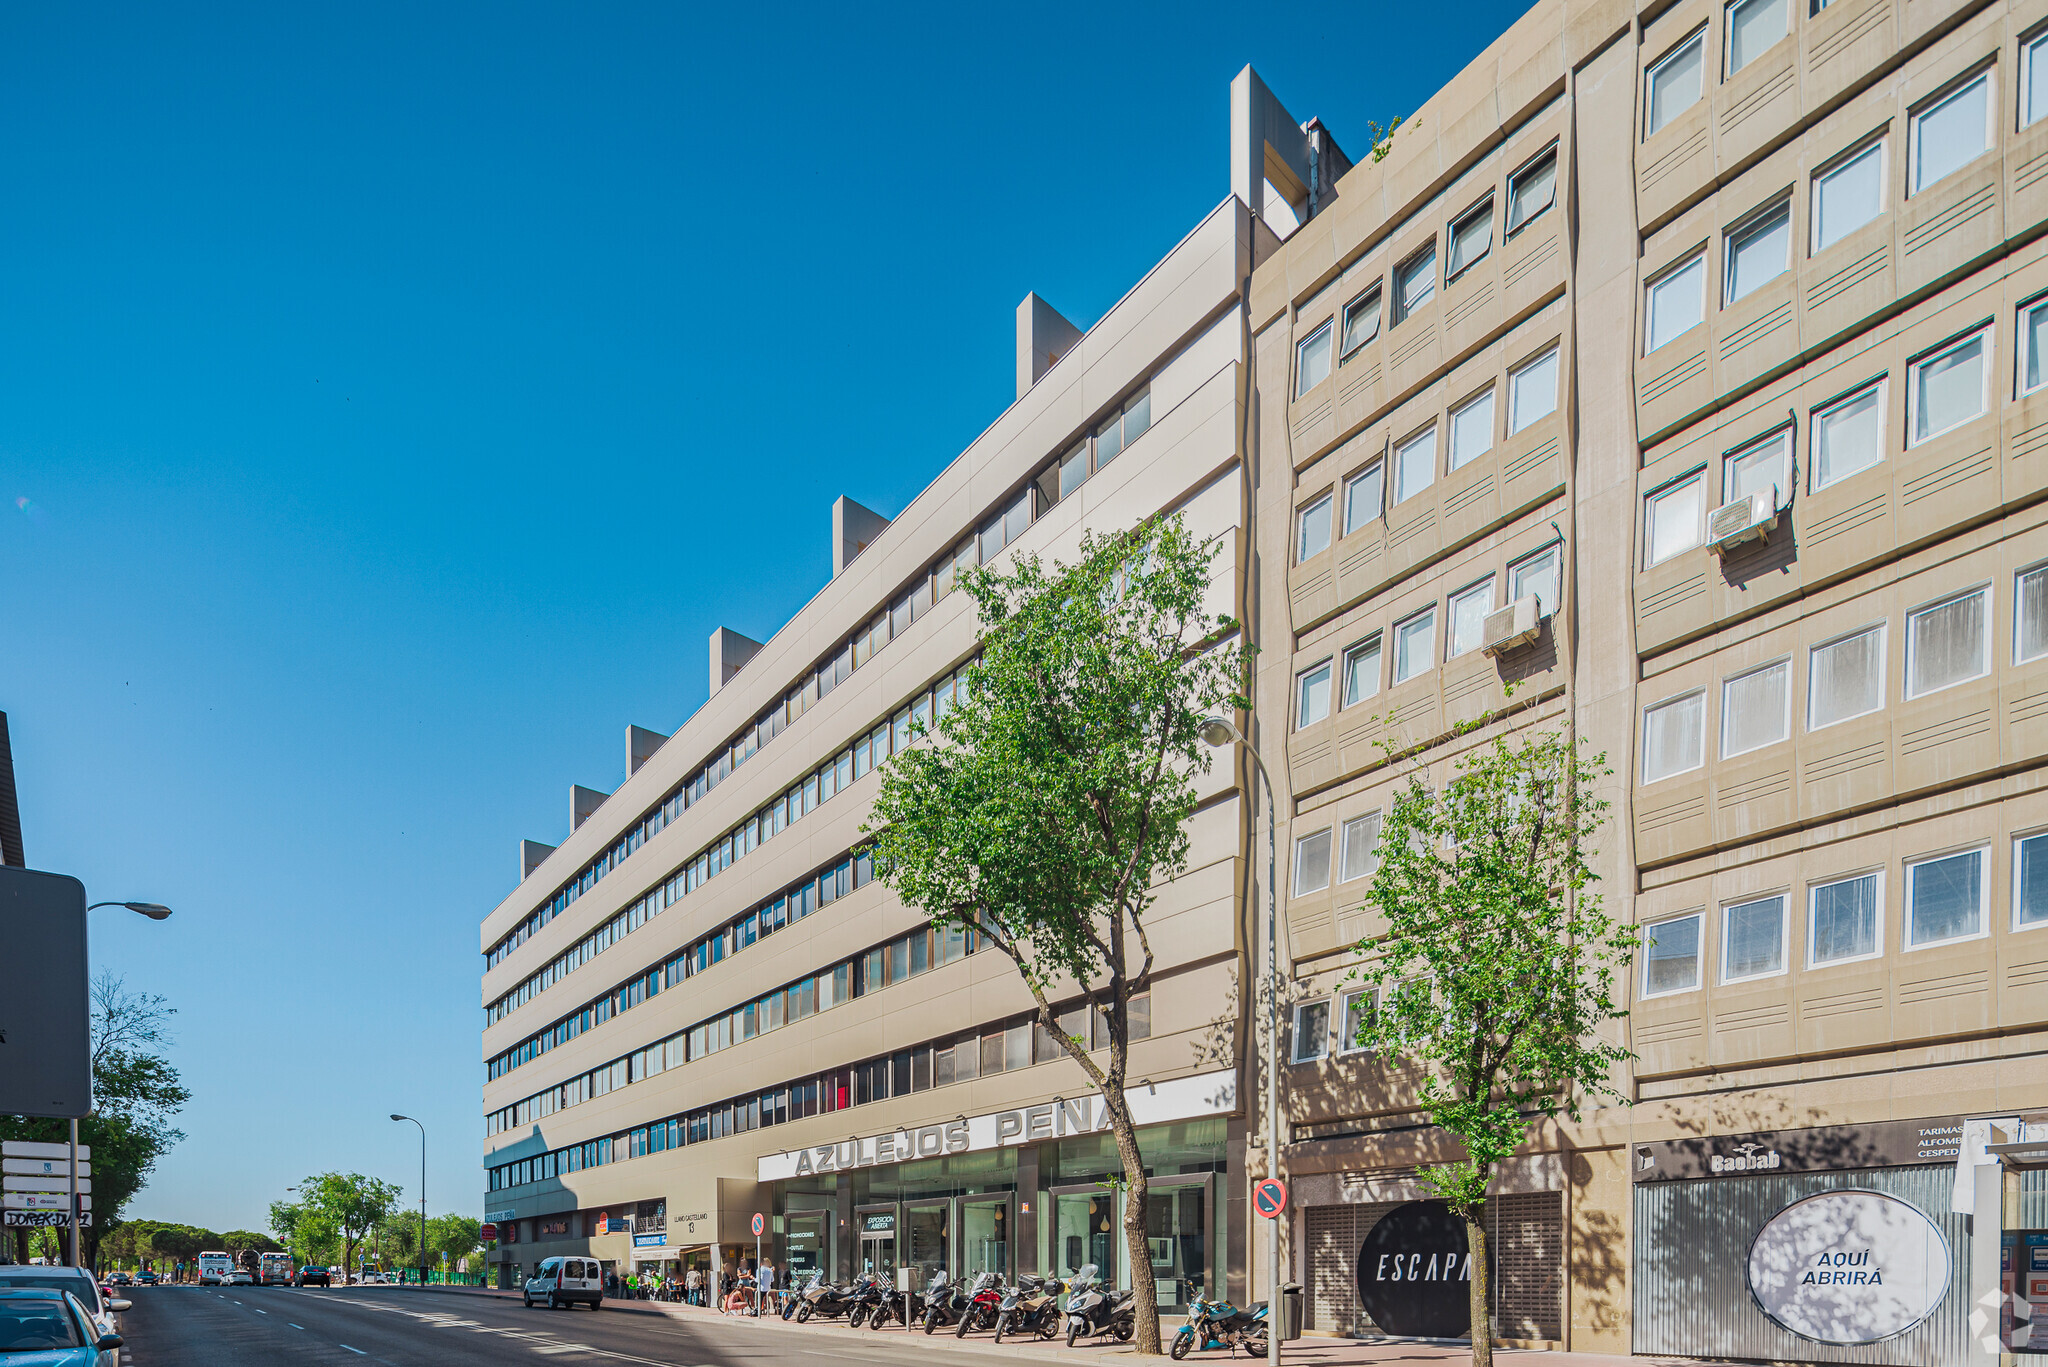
x,y
765,1279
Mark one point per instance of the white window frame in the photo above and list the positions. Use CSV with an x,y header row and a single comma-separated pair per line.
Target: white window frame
x,y
1394,636
1982,335
1548,354
1554,551
1322,1043
1650,287
1376,641
1344,842
1699,951
2033,47
1915,118
1302,555
1342,1016
1783,898
1394,497
1782,440
1877,928
1984,663
1983,931
1883,630
1697,36
1745,228
1491,400
1642,765
2022,348
1377,297
1484,206
1477,586
1657,495
1549,153
2020,838
1327,333
1400,309
1785,722
1728,40
1379,509
1882,386
2019,597
1301,677
1882,144
1294,888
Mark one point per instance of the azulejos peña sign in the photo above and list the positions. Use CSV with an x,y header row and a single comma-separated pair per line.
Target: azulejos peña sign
x,y
1849,1267
1184,1098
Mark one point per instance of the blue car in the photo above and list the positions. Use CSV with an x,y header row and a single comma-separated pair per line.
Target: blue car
x,y
40,1327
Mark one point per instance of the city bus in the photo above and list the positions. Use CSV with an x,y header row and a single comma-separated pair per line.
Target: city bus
x,y
276,1270
214,1268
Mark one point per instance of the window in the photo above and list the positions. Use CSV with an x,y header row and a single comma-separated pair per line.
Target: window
x,y
1945,898
1677,303
1471,239
2030,615
1312,862
1673,515
1947,389
1759,250
1315,530
1946,644
1311,1031
2034,93
1536,574
2030,881
1472,429
1848,437
1753,939
1672,735
1357,1011
1468,616
1415,645
1842,919
1756,709
1073,474
1415,282
1845,678
1532,391
1312,360
1951,133
1754,27
1361,320
1675,82
1762,467
1671,955
2033,333
1312,695
1361,671
1362,493
1531,190
1414,465
1361,847
1848,195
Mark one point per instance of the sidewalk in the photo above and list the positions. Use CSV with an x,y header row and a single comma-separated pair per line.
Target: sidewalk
x,y
1307,1351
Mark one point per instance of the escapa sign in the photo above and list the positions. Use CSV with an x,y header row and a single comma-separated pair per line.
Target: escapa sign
x,y
1849,1267
1415,1273
1151,1104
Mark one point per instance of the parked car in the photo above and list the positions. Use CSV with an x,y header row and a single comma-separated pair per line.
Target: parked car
x,y
314,1276
56,1327
561,1282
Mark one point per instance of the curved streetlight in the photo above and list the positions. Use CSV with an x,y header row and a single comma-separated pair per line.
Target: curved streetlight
x,y
1218,732
423,1194
155,911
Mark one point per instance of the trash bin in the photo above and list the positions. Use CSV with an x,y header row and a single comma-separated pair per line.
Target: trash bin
x,y
1290,1311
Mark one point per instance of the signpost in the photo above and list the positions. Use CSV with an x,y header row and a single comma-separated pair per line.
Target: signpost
x,y
38,1185
760,1223
1269,1197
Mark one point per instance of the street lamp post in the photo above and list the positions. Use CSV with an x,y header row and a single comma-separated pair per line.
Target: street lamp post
x,y
1218,732
155,911
423,1196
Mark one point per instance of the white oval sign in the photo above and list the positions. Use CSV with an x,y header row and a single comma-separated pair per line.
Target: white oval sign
x,y
1849,1267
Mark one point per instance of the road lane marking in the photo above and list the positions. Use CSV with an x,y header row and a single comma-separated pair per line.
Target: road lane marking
x,y
295,1326
357,1351
262,1312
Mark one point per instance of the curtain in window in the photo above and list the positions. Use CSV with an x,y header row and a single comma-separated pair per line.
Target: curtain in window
x,y
1845,919
2032,855
1756,938
1950,389
1847,678
1361,847
1948,643
1753,709
1671,737
1947,895
1312,863
1672,956
2033,614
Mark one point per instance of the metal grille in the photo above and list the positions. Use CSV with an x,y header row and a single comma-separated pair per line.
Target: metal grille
x,y
1692,1268
1528,1280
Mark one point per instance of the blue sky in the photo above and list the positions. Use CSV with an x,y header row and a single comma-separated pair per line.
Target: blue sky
x,y
385,401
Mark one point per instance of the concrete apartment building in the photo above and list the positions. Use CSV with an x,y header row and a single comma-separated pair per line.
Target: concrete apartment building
x,y
1682,363
700,1007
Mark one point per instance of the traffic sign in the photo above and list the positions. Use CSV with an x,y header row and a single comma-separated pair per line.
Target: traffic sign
x,y
29,1148
41,1200
42,1167
487,1232
1269,1197
760,1223
12,1182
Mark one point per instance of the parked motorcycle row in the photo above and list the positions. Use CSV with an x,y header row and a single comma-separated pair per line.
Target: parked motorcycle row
x,y
1037,1307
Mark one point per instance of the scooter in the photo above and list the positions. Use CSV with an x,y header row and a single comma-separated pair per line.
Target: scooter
x,y
948,1304
1094,1309
1032,1307
869,1295
982,1306
825,1300
892,1306
797,1293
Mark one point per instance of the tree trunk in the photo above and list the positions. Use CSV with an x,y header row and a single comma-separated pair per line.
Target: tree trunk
x,y
1482,1292
1145,1297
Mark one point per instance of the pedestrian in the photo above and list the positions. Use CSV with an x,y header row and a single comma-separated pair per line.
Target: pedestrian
x,y
693,1286
765,1280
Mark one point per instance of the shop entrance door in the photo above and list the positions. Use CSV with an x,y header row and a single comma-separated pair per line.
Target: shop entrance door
x,y
927,1240
878,1242
985,1226
1086,1229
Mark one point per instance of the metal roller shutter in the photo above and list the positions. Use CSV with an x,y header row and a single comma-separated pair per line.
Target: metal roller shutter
x,y
1528,1287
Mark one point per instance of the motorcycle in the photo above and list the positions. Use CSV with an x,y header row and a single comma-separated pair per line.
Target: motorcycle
x,y
797,1293
868,1296
1094,1309
949,1303
983,1305
1219,1324
892,1305
1032,1307
824,1299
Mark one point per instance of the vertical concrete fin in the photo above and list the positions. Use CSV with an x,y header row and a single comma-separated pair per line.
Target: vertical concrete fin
x,y
531,852
730,652
1282,168
854,529
582,802
640,747
1043,336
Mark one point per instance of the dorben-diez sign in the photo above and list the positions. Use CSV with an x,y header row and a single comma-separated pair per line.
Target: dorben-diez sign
x,y
1414,1273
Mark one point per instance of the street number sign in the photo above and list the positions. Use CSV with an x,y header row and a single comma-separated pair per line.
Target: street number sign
x,y
1269,1197
760,1223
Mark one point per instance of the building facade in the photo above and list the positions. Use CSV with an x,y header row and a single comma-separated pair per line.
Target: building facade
x,y
1679,364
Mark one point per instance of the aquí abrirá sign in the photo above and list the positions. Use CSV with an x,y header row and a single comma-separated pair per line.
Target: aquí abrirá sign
x,y
1849,1267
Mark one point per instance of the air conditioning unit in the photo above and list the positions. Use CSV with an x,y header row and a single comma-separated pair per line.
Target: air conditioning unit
x,y
1748,519
1515,625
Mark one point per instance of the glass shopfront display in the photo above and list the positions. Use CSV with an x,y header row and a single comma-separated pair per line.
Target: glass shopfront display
x,y
804,1244
928,1239
878,1242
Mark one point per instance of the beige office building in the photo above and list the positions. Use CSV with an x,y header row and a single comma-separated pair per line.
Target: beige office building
x,y
1682,363
701,1008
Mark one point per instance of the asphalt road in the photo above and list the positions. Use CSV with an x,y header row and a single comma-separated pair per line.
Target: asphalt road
x,y
252,1326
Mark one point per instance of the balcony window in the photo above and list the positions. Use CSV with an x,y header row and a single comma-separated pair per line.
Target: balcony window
x,y
1951,133
1471,239
1671,955
1472,429
1362,495
1415,282
1675,82
1756,709
1945,898
1843,919
1845,678
1848,437
1312,360
1361,671
1677,303
1949,388
1313,532
1673,732
1531,190
1759,251
1848,195
1361,320
1754,28
1947,643
1753,939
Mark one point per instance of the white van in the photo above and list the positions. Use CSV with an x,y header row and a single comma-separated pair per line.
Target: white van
x,y
561,1282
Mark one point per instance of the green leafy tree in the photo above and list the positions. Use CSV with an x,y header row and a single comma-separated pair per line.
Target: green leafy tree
x,y
338,1207
1053,798
455,1235
1496,965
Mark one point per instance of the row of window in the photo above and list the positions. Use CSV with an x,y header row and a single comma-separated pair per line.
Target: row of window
x,y
1943,137
1531,190
921,713
1006,1047
1471,429
1948,642
1346,680
1947,899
